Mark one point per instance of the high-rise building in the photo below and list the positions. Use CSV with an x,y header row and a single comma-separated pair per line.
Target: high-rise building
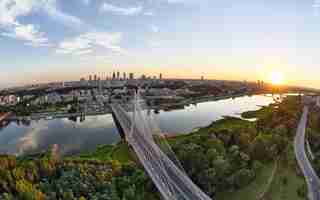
x,y
95,77
160,76
124,76
118,75
131,76
113,76
90,78
202,78
143,77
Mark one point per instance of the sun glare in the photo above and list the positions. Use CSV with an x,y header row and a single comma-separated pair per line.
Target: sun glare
x,y
276,78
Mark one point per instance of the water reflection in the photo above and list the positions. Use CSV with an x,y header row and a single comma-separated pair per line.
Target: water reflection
x,y
71,136
202,114
75,135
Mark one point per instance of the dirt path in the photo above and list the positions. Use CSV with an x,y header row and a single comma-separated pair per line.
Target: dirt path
x,y
270,180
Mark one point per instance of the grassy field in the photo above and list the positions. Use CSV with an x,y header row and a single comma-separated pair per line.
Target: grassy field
x,y
285,185
258,113
120,152
251,191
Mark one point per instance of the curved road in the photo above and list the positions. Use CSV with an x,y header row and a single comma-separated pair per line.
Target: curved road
x,y
310,175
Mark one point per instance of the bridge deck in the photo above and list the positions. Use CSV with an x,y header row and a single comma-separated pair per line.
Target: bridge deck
x,y
172,183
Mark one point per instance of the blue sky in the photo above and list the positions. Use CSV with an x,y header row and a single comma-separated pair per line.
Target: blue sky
x,y
47,40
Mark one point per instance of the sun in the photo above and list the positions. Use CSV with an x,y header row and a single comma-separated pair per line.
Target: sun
x,y
276,78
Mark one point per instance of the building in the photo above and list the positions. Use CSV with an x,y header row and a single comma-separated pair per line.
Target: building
x,y
124,76
118,75
160,76
83,81
131,76
113,76
100,85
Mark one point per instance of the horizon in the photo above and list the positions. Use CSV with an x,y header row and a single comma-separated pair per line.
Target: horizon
x,y
55,40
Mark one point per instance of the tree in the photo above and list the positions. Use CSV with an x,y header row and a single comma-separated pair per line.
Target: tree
x,y
242,177
68,195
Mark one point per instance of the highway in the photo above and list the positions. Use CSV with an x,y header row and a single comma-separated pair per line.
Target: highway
x,y
310,175
172,183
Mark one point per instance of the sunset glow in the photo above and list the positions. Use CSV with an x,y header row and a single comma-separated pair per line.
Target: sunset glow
x,y
276,78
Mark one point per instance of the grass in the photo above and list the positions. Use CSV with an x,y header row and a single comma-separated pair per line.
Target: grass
x,y
251,191
257,113
120,152
231,123
279,189
102,152
287,190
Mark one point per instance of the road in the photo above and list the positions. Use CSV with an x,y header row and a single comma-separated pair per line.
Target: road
x,y
172,183
310,175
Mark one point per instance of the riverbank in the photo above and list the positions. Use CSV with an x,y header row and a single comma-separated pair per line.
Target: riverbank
x,y
187,102
106,110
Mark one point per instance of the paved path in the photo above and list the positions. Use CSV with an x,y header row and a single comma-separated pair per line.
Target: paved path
x,y
310,175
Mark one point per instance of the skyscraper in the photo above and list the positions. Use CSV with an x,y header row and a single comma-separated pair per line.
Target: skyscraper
x,y
113,76
160,76
124,76
118,75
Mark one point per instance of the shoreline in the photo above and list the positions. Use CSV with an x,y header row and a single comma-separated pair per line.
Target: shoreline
x,y
162,107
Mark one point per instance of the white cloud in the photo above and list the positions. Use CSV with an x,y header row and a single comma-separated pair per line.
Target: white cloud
x,y
148,13
28,33
175,1
155,28
106,7
11,10
87,43
190,2
316,7
62,17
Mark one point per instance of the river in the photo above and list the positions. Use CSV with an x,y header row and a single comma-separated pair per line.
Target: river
x,y
74,137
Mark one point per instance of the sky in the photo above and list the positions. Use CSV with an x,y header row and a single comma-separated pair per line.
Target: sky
x,y
57,40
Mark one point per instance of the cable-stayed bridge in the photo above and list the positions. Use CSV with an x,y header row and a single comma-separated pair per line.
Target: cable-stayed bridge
x,y
164,168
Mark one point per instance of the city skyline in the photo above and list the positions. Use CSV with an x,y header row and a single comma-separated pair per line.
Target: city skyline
x,y
55,40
